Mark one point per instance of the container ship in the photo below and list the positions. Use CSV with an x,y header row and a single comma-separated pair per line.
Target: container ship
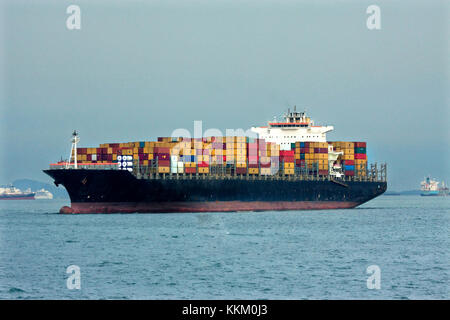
x,y
290,165
430,187
13,193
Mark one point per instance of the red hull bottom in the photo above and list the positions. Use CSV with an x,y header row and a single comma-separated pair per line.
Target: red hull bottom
x,y
218,206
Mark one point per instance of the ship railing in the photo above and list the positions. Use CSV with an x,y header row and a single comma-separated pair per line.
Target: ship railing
x,y
92,166
374,173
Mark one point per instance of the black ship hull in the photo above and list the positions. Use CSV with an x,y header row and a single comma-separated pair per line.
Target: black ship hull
x,y
118,191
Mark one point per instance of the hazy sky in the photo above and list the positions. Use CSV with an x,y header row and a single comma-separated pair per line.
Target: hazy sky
x,y
140,69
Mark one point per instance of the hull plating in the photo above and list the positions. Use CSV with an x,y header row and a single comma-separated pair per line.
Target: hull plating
x,y
108,191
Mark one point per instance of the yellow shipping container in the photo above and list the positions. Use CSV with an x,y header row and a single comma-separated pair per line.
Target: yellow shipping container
x,y
253,170
349,145
128,152
163,169
349,151
348,157
289,165
288,171
265,171
241,164
230,157
203,170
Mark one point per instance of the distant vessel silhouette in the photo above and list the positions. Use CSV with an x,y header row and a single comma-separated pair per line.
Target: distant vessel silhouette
x,y
430,187
13,193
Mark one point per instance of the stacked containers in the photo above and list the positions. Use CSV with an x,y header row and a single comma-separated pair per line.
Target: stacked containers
x,y
202,155
313,156
264,153
253,155
246,155
348,158
287,161
239,152
360,158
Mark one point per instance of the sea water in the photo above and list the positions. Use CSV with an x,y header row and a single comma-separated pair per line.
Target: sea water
x,y
329,254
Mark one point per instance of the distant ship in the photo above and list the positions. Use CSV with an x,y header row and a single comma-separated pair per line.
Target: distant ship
x,y
12,193
43,195
430,187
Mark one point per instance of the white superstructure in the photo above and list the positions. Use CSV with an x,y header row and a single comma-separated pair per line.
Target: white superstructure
x,y
295,127
429,185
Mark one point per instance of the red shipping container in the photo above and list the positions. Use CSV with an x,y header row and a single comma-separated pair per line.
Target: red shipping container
x,y
89,157
251,165
164,163
350,173
287,159
163,156
349,162
361,156
203,164
360,145
323,172
288,153
265,165
241,170
190,170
